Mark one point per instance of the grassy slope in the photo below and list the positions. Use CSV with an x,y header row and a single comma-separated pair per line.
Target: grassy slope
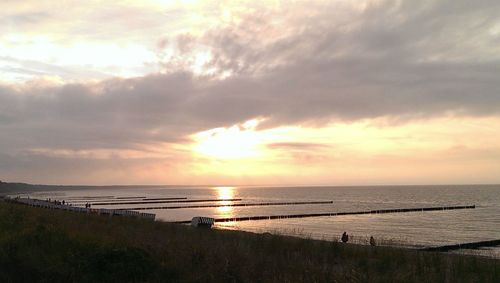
x,y
48,245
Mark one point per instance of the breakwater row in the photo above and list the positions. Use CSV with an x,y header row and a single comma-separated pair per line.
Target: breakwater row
x,y
121,201
378,211
473,245
229,205
183,200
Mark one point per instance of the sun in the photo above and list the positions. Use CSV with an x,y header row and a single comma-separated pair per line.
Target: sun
x,y
236,142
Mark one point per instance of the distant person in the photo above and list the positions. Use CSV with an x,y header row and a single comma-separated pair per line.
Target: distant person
x,y
372,241
63,202
345,237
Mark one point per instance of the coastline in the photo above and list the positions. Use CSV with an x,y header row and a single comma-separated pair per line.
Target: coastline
x,y
43,243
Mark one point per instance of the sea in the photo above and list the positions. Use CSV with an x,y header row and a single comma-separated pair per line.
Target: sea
x,y
411,229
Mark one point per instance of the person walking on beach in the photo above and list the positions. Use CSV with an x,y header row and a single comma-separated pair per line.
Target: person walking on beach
x,y
372,241
345,237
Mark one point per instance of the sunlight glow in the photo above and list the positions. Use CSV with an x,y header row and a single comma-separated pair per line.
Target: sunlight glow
x,y
344,151
225,193
236,142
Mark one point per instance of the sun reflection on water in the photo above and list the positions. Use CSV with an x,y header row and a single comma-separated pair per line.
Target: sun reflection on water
x,y
225,193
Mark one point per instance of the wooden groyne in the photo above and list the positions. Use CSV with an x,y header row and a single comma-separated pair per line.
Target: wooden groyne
x,y
88,197
230,205
148,199
166,201
128,197
99,211
377,211
120,201
474,245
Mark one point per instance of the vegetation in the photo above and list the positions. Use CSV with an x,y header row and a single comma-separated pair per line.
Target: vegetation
x,y
15,187
22,188
42,245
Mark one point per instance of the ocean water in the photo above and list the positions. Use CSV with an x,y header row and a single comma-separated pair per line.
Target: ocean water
x,y
414,229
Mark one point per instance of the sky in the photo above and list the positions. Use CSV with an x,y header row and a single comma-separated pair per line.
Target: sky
x,y
250,92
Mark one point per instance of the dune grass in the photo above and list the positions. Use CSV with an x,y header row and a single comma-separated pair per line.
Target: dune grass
x,y
41,245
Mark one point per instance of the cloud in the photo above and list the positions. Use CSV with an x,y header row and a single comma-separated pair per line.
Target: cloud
x,y
390,60
305,64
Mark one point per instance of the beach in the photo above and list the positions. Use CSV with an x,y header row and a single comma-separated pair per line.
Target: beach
x,y
418,229
66,246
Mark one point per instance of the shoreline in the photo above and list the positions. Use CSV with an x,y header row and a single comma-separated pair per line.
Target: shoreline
x,y
182,253
360,239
